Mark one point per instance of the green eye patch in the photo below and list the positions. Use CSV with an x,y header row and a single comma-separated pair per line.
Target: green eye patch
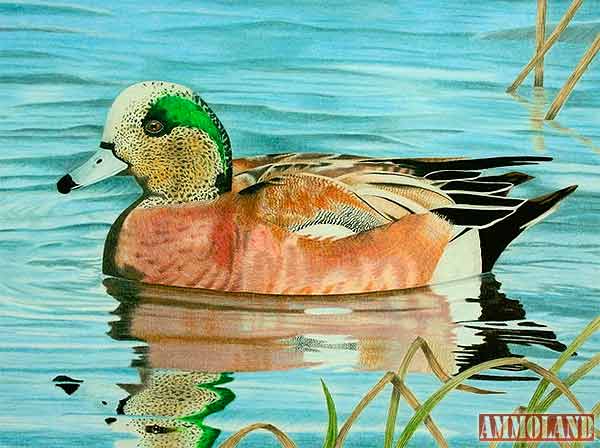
x,y
174,111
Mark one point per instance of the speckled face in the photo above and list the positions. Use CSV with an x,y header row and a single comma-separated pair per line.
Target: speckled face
x,y
173,143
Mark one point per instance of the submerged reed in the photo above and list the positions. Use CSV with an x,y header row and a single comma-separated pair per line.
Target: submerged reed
x,y
538,403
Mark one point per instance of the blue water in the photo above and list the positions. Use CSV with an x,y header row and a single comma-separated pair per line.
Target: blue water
x,y
411,78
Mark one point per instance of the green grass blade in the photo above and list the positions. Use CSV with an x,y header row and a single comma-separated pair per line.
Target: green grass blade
x,y
554,379
439,395
452,384
332,427
413,402
592,327
362,404
390,424
569,381
418,344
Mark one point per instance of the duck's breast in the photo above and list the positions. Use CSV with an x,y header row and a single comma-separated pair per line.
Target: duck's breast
x,y
223,246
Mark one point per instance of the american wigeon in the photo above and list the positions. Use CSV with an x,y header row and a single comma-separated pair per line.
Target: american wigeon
x,y
293,223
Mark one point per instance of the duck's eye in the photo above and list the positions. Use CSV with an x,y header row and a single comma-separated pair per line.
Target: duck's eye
x,y
153,127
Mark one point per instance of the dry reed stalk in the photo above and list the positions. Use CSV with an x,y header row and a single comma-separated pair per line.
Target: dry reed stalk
x,y
448,386
404,391
438,371
236,438
435,366
362,404
540,37
579,373
413,402
558,383
585,334
562,25
564,93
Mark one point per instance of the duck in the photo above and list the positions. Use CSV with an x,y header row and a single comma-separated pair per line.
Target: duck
x,y
294,223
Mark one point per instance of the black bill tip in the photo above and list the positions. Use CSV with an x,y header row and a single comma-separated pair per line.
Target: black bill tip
x,y
65,184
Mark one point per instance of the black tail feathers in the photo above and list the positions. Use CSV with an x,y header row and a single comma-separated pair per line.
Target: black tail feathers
x,y
496,238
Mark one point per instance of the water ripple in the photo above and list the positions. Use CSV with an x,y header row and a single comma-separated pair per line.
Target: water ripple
x,y
22,8
583,33
39,29
85,129
287,27
52,78
92,103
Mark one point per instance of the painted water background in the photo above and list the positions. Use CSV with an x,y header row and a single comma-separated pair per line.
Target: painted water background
x,y
378,78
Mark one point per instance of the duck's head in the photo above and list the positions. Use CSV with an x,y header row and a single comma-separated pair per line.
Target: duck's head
x,y
168,138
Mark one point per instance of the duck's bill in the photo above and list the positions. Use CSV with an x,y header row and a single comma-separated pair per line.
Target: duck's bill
x,y
101,165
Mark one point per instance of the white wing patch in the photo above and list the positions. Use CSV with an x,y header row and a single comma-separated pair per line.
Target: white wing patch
x,y
325,231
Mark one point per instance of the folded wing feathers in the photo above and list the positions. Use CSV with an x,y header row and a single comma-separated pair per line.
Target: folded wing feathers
x,y
476,201
393,205
474,204
485,200
482,202
479,218
447,175
470,186
385,178
421,167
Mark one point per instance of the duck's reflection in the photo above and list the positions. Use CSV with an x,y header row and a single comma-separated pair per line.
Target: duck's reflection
x,y
500,327
465,322
170,406
191,336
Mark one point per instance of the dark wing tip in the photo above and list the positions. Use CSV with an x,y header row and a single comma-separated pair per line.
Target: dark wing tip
x,y
422,166
554,197
473,217
571,188
495,238
514,177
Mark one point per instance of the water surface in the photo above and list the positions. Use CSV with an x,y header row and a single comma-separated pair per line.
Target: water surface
x,y
416,78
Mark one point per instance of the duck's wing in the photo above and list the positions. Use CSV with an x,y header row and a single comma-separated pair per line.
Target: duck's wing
x,y
248,171
312,205
464,203
252,170
329,165
456,189
319,206
419,166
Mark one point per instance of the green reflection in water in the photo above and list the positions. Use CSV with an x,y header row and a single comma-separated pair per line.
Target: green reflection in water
x,y
174,404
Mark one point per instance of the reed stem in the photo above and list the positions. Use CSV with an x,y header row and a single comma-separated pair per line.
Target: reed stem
x,y
564,93
540,37
562,25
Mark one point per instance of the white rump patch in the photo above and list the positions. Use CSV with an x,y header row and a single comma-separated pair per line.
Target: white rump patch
x,y
461,259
